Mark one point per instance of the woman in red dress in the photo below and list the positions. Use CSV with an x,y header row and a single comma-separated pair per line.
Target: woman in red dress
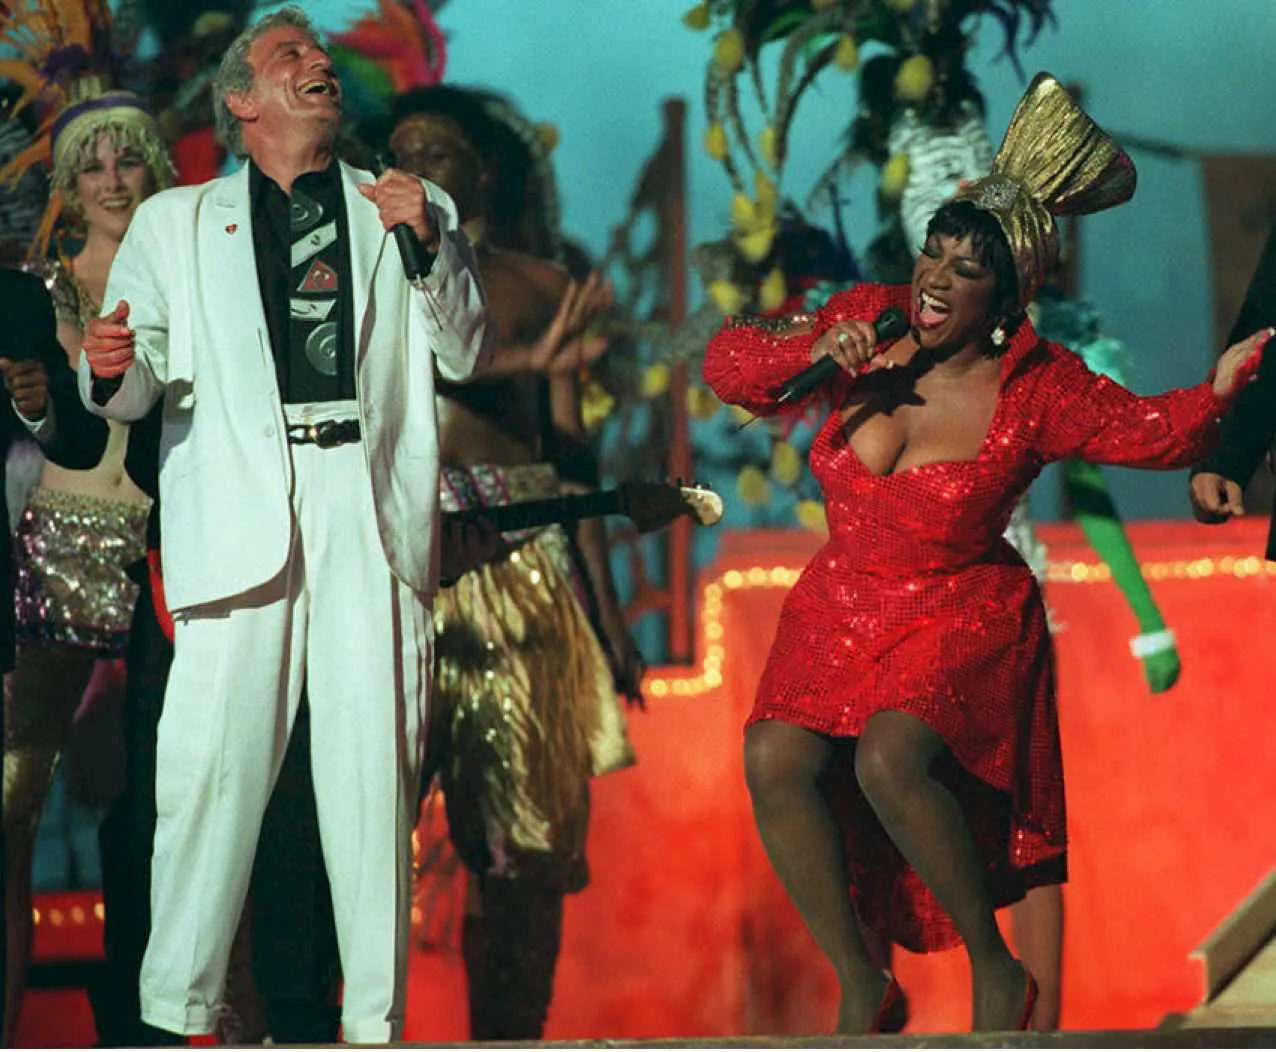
x,y
905,741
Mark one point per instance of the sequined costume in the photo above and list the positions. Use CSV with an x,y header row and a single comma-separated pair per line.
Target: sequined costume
x,y
917,603
524,709
70,549
72,602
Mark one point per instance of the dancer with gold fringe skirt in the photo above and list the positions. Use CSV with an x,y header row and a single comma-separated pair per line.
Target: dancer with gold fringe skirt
x,y
525,709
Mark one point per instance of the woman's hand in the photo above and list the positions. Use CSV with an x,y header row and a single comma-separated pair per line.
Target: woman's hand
x,y
1239,363
852,344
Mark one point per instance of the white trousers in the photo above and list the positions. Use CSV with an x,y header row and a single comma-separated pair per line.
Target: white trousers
x,y
362,641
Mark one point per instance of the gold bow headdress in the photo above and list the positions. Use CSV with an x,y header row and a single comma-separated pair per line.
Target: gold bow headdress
x,y
1053,161
64,65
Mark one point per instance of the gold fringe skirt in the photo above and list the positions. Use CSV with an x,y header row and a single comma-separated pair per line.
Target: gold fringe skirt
x,y
524,706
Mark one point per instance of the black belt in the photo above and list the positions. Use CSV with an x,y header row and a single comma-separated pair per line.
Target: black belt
x,y
325,434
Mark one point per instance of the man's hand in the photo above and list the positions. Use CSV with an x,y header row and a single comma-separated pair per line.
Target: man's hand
x,y
108,343
401,198
465,546
1214,498
28,386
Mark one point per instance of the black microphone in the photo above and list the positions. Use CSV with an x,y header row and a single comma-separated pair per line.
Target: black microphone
x,y
891,324
417,259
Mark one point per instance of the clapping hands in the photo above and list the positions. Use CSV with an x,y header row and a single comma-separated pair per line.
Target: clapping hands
x,y
569,343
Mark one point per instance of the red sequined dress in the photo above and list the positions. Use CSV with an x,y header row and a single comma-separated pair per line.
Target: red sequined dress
x,y
917,604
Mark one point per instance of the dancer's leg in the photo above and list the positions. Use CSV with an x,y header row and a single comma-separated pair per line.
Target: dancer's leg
x,y
782,766
893,762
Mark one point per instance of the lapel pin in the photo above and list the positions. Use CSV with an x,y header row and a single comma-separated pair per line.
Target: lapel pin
x,y
232,228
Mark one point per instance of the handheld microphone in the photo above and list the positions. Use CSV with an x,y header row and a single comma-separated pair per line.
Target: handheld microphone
x,y
891,324
417,259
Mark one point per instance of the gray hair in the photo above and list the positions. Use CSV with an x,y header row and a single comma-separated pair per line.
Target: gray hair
x,y
235,74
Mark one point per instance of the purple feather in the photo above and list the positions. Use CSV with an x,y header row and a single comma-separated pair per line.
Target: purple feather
x,y
64,64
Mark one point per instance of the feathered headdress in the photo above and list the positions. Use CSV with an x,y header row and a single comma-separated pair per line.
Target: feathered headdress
x,y
1054,161
403,40
65,65
919,68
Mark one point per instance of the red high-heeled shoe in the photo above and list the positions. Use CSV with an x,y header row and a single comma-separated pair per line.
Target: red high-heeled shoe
x,y
892,995
1029,1003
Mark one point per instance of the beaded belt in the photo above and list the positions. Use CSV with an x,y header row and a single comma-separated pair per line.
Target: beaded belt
x,y
325,434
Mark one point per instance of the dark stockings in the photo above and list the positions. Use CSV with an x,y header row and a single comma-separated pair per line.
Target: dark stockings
x,y
782,765
893,761
511,951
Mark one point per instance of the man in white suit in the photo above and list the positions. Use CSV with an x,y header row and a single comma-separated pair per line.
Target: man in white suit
x,y
271,313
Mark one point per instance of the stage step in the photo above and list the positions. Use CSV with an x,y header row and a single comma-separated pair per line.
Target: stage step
x,y
1239,967
1248,1000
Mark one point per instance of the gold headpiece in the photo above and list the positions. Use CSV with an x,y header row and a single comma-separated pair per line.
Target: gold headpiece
x,y
1053,161
62,49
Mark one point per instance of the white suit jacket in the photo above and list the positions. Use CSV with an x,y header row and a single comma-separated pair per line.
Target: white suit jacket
x,y
187,269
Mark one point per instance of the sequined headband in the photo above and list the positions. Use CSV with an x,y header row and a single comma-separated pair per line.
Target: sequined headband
x,y
115,100
120,114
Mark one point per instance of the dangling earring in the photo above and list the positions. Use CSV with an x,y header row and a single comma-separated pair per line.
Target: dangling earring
x,y
999,336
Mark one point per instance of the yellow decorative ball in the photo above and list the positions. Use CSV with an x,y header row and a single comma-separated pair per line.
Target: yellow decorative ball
x,y
752,486
810,515
728,52
786,464
914,78
655,380
727,297
742,211
702,403
756,245
772,291
596,404
846,56
894,176
696,17
740,415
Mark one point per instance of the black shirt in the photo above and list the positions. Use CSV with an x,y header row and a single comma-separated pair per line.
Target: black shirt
x,y
302,248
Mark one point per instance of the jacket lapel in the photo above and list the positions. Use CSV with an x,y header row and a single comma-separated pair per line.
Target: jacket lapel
x,y
232,261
